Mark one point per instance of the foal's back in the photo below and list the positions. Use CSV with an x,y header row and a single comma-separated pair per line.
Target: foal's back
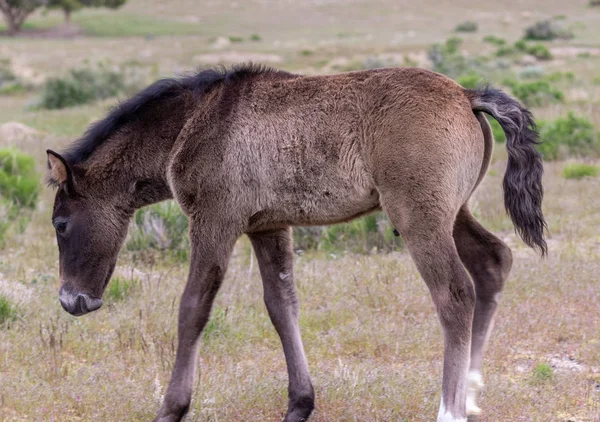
x,y
296,150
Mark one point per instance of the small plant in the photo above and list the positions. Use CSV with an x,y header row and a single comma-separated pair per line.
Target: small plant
x,y
255,37
580,170
120,288
494,40
569,136
306,53
535,93
81,86
594,3
236,39
467,26
8,312
547,30
542,372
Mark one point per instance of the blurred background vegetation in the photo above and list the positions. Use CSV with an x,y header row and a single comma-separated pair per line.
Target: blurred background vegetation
x,y
64,63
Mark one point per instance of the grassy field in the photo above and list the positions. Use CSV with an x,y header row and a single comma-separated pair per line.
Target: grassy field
x,y
372,338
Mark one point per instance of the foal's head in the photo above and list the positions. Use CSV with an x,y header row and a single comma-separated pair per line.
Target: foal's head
x,y
90,216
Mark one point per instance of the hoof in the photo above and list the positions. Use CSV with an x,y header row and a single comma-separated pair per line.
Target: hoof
x,y
299,410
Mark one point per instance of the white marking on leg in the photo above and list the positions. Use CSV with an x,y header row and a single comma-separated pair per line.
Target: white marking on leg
x,y
447,416
474,384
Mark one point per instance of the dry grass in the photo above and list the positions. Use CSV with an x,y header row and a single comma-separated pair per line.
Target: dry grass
x,y
371,334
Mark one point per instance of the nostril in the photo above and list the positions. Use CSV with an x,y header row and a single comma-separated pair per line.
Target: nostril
x,y
80,305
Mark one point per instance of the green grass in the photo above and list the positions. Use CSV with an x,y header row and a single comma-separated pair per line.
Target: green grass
x,y
580,170
120,288
111,24
8,312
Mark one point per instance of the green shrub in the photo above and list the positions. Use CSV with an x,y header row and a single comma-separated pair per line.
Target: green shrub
x,y
521,45
542,372
492,39
8,312
546,31
120,288
470,81
160,227
580,170
505,50
535,93
594,3
467,26
255,37
81,86
569,136
19,182
236,38
539,51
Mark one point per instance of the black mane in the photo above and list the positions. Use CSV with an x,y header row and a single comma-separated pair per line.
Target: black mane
x,y
163,89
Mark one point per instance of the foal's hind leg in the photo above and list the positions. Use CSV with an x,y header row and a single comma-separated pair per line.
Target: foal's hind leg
x,y
429,240
275,259
488,260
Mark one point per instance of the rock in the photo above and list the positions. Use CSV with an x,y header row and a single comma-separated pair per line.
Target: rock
x,y
13,132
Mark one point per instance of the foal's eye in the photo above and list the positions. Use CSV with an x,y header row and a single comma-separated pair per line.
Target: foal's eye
x,y
60,225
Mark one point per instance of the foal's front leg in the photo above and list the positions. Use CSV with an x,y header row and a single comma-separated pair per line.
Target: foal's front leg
x,y
211,247
275,259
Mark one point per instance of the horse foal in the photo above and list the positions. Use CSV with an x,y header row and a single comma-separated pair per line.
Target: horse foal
x,y
257,151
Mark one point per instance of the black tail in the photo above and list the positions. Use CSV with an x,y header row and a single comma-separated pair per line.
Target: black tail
x,y
522,184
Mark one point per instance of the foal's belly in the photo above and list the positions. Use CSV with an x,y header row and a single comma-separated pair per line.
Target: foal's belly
x,y
300,201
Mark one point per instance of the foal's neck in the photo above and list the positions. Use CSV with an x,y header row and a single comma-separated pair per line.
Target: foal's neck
x,y
137,155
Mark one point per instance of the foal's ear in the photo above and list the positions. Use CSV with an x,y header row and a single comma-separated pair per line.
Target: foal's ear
x,y
59,171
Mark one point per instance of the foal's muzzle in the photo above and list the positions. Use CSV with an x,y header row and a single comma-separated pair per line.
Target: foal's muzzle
x,y
79,304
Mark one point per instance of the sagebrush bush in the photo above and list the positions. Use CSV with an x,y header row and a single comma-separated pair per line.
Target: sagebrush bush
x,y
569,136
580,170
594,3
546,30
535,93
446,58
81,86
467,26
161,227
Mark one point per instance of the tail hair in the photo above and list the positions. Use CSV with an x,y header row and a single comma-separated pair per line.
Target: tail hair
x,y
523,191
